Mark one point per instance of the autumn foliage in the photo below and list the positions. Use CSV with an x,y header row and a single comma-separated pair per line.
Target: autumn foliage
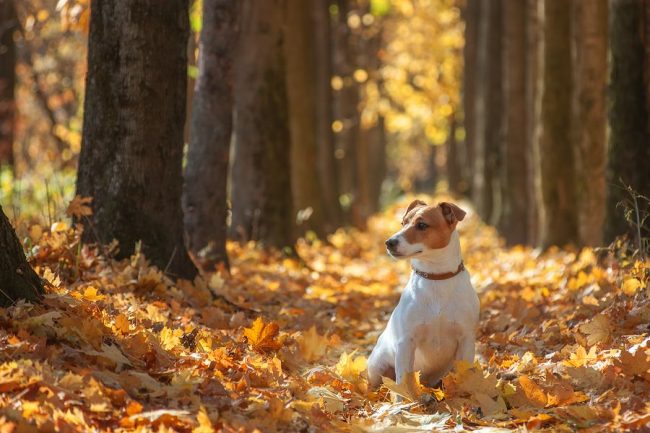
x,y
281,345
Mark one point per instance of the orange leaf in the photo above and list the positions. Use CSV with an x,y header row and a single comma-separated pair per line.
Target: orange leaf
x,y
533,391
262,336
79,207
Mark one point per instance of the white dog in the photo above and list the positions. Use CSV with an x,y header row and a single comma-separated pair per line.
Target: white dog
x,y
435,322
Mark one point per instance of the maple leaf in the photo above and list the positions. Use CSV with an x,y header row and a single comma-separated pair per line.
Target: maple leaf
x,y
262,336
580,357
312,345
350,367
635,362
90,294
598,330
79,207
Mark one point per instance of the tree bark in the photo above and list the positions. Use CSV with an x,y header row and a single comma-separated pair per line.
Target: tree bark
x,y
534,90
131,156
589,120
261,173
17,279
629,114
485,189
205,194
327,170
471,15
455,162
515,176
347,112
370,148
301,89
557,161
8,25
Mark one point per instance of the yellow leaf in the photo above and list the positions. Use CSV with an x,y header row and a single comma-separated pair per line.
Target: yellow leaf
x,y
262,336
630,286
410,388
534,392
598,330
580,357
350,367
59,226
312,345
170,338
205,425
90,294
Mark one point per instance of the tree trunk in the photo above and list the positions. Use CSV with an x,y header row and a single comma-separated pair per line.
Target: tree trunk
x,y
371,166
327,170
485,189
346,105
371,154
515,176
629,114
131,156
589,120
470,87
17,279
454,166
301,73
534,90
261,173
557,162
8,24
205,194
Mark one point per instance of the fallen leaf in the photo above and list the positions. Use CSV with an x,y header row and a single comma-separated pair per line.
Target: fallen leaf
x,y
263,336
598,330
312,345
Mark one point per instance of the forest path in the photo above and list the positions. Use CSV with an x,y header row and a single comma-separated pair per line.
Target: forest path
x,y
563,341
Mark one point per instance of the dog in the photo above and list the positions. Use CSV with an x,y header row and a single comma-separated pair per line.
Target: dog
x,y
435,321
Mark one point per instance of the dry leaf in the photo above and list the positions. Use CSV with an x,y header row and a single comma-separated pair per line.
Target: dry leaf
x,y
598,330
312,345
80,207
263,336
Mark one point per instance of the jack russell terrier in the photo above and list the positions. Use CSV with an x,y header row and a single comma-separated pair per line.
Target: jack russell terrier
x,y
435,322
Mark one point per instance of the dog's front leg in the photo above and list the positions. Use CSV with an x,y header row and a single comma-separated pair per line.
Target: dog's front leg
x,y
466,349
404,358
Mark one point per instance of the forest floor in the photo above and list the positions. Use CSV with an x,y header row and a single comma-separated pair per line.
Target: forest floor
x,y
279,346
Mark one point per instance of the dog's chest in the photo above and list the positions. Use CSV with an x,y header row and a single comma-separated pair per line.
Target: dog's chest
x,y
436,308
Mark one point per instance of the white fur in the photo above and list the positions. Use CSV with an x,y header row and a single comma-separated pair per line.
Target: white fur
x,y
434,323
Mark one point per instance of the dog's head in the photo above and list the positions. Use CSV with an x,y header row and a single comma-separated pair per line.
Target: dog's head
x,y
424,228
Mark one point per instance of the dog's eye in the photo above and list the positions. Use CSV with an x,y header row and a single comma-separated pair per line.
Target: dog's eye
x,y
421,226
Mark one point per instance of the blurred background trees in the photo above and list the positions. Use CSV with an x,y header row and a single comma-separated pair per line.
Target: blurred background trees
x,y
307,116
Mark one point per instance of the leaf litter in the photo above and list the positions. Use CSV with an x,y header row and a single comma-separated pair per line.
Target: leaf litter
x,y
281,345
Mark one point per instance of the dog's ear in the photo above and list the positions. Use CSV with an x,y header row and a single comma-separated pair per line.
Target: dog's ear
x,y
451,212
413,205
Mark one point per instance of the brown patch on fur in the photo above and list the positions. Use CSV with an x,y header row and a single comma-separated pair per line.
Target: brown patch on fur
x,y
441,221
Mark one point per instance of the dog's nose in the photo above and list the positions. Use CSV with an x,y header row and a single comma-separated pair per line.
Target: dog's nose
x,y
392,243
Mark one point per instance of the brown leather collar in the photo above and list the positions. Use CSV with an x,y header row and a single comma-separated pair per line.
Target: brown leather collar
x,y
437,277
